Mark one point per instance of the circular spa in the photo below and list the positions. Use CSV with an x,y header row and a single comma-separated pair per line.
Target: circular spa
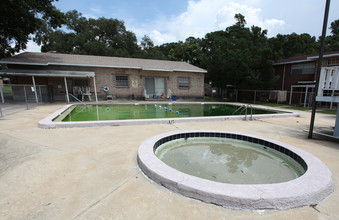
x,y
235,170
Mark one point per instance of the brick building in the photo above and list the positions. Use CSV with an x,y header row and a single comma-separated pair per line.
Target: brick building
x,y
101,76
298,75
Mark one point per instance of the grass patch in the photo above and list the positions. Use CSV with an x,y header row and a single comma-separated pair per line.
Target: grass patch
x,y
299,108
270,104
330,112
209,98
7,89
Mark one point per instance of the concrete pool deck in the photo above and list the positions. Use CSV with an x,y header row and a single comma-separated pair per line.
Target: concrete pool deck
x,y
92,172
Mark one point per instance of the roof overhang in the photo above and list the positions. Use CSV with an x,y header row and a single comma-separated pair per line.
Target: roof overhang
x,y
195,71
303,86
102,66
308,59
325,55
292,62
47,73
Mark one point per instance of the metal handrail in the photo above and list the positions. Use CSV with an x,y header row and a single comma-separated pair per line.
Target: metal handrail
x,y
244,108
247,106
77,99
241,107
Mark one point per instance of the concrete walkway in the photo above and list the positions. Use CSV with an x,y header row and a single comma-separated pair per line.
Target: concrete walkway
x,y
92,173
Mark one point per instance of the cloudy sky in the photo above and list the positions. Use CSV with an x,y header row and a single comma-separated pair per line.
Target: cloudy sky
x,y
173,20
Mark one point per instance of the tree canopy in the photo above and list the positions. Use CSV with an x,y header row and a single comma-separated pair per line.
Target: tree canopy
x,y
290,45
21,18
102,36
188,51
332,41
239,56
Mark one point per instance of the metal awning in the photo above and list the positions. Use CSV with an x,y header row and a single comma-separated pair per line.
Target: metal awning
x,y
48,73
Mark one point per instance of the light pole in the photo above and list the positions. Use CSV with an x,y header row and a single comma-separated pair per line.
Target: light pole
x,y
321,53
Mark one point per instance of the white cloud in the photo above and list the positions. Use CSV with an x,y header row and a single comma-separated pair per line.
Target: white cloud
x,y
202,17
274,26
156,36
96,10
88,16
274,22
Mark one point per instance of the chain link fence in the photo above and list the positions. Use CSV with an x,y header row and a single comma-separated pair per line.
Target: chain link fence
x,y
296,98
18,97
275,96
14,93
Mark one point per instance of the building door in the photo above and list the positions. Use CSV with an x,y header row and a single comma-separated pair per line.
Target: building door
x,y
155,86
159,84
149,86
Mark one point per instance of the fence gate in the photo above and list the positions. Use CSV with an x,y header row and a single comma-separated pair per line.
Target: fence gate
x,y
12,93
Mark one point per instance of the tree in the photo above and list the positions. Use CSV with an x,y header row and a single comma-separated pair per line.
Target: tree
x,y
149,51
188,51
102,36
21,18
146,43
291,45
241,22
332,41
239,56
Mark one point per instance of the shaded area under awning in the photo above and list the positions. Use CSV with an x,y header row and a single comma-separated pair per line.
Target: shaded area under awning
x,y
50,73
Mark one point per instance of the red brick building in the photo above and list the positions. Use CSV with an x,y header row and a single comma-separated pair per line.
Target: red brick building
x,y
298,75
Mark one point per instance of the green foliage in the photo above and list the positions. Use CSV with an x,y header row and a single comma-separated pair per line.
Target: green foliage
x,y
148,50
330,112
20,18
335,27
241,22
105,37
238,56
188,51
146,43
290,45
332,41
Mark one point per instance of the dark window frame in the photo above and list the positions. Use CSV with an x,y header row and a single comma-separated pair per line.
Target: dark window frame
x,y
122,83
303,68
184,85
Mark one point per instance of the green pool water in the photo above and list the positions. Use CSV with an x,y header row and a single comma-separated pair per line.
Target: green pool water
x,y
150,111
228,161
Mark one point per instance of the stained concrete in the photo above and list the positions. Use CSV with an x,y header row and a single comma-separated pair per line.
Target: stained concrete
x,y
92,173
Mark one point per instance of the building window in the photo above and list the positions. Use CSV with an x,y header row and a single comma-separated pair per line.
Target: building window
x,y
303,68
184,82
333,61
80,82
121,81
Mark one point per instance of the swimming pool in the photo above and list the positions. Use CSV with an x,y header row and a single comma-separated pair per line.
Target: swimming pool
x,y
147,113
228,160
151,111
310,187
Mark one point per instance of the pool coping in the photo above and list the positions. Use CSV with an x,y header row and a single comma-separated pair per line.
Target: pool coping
x,y
309,189
48,123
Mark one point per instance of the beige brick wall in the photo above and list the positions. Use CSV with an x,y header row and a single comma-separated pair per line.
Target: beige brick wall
x,y
107,76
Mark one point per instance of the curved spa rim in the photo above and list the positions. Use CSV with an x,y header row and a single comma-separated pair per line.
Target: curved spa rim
x,y
309,189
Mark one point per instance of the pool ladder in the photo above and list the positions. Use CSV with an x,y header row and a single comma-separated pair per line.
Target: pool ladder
x,y
244,108
76,98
